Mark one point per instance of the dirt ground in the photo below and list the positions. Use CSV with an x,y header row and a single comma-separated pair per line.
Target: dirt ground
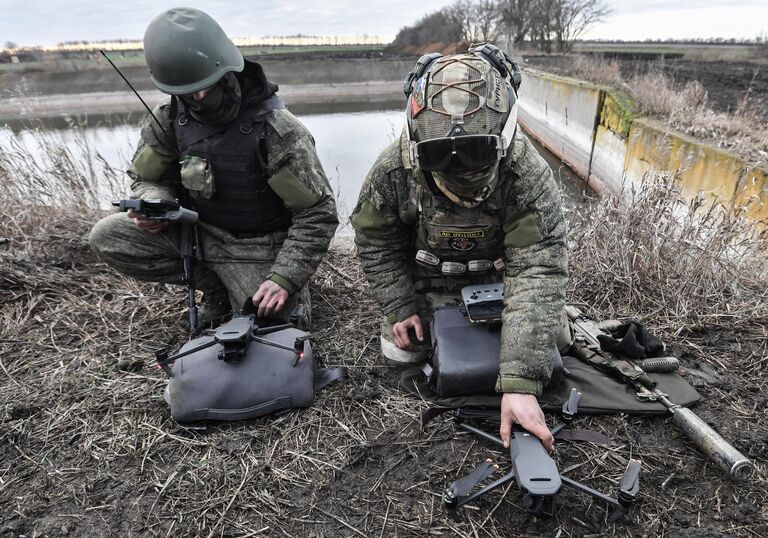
x,y
87,446
726,83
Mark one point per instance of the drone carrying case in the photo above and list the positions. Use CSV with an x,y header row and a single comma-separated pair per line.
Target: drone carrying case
x,y
265,379
465,355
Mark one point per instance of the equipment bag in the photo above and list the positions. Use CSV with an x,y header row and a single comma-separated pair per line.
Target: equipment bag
x,y
241,371
465,355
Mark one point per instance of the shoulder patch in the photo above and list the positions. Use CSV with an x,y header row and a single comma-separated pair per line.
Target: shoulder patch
x,y
283,122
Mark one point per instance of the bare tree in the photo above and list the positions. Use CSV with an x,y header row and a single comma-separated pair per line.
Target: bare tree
x,y
516,19
571,18
478,19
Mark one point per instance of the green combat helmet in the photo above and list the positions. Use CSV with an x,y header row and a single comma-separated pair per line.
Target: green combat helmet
x,y
187,51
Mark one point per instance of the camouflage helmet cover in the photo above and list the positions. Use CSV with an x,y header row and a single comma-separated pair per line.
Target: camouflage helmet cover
x,y
187,51
462,89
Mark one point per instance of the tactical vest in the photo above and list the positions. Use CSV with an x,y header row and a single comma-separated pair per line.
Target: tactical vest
x,y
472,237
241,202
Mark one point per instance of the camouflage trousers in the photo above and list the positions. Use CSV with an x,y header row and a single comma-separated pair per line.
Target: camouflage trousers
x,y
428,303
236,264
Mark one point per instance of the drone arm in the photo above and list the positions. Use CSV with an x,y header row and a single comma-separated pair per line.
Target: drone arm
x,y
480,433
578,486
454,503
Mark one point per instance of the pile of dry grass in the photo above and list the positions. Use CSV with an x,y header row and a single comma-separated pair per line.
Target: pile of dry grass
x,y
683,107
650,253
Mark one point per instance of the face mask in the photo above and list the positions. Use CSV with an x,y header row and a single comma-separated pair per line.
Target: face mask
x,y
468,189
220,105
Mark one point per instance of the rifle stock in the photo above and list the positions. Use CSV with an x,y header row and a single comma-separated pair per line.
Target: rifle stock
x,y
729,459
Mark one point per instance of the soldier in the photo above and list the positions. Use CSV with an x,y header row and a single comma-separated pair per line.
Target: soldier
x,y
463,197
223,143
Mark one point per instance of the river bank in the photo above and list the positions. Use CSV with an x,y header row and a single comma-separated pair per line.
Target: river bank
x,y
301,98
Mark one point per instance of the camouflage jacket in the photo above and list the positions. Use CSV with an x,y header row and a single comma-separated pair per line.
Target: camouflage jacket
x,y
534,249
295,173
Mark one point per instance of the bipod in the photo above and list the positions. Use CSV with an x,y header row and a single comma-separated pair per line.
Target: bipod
x,y
533,469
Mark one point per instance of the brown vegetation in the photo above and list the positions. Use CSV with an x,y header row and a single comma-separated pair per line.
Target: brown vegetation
x,y
87,446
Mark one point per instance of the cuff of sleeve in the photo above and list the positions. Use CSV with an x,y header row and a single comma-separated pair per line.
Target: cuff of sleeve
x,y
283,282
403,312
519,385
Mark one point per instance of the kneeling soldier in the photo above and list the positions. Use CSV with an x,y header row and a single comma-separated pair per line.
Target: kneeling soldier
x,y
464,198
226,146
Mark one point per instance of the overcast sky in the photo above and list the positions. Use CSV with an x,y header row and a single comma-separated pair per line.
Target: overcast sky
x,y
47,22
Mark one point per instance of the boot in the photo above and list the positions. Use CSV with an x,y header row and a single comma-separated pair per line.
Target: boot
x,y
212,311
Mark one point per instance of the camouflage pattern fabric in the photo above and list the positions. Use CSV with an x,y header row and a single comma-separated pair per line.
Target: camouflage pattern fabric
x,y
534,249
241,264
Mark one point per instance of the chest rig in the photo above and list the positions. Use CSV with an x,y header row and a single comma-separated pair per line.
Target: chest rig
x,y
242,201
454,245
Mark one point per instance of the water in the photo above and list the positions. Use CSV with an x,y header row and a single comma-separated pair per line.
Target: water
x,y
347,144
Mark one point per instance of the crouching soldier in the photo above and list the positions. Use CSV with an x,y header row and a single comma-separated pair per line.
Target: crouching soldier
x,y
464,198
224,144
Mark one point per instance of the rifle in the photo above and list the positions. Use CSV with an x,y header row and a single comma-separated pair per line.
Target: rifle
x,y
170,211
587,349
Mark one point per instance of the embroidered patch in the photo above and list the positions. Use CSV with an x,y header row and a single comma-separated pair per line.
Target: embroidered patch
x,y
417,98
462,243
465,234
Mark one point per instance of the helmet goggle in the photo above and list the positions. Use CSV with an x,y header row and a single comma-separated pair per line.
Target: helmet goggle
x,y
457,153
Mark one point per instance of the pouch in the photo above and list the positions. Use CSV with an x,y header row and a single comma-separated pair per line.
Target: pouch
x,y
465,355
251,379
197,177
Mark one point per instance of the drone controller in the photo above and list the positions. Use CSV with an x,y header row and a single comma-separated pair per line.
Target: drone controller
x,y
483,303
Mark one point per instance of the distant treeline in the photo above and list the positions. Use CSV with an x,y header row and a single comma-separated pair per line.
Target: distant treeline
x,y
545,24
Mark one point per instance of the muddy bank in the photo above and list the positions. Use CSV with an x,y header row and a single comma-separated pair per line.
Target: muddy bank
x,y
303,98
287,70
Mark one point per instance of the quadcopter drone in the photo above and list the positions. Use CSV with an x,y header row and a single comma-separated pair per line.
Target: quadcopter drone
x,y
533,469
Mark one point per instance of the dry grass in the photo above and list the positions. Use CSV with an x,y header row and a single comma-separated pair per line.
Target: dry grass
x,y
88,448
684,107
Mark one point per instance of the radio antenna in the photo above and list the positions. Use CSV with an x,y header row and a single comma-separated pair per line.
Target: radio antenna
x,y
134,91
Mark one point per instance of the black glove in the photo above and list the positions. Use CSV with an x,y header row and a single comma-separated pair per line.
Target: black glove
x,y
631,340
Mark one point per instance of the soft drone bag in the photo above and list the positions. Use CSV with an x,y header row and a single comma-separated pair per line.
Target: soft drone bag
x,y
238,373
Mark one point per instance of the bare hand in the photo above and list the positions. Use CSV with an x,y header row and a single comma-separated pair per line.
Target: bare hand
x,y
152,226
400,332
269,298
523,409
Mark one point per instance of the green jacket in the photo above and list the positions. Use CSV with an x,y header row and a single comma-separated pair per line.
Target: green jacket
x,y
534,249
296,175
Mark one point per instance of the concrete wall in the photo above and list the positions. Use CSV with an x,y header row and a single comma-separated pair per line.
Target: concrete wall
x,y
597,132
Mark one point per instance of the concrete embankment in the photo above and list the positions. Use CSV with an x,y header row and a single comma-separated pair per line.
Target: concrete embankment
x,y
596,131
53,92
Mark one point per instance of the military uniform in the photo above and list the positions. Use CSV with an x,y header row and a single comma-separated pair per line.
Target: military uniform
x,y
266,208
519,229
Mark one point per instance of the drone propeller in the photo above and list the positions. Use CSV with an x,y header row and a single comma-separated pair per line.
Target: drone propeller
x,y
571,406
629,487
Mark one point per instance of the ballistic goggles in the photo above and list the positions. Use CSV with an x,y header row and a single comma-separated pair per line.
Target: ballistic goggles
x,y
458,153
